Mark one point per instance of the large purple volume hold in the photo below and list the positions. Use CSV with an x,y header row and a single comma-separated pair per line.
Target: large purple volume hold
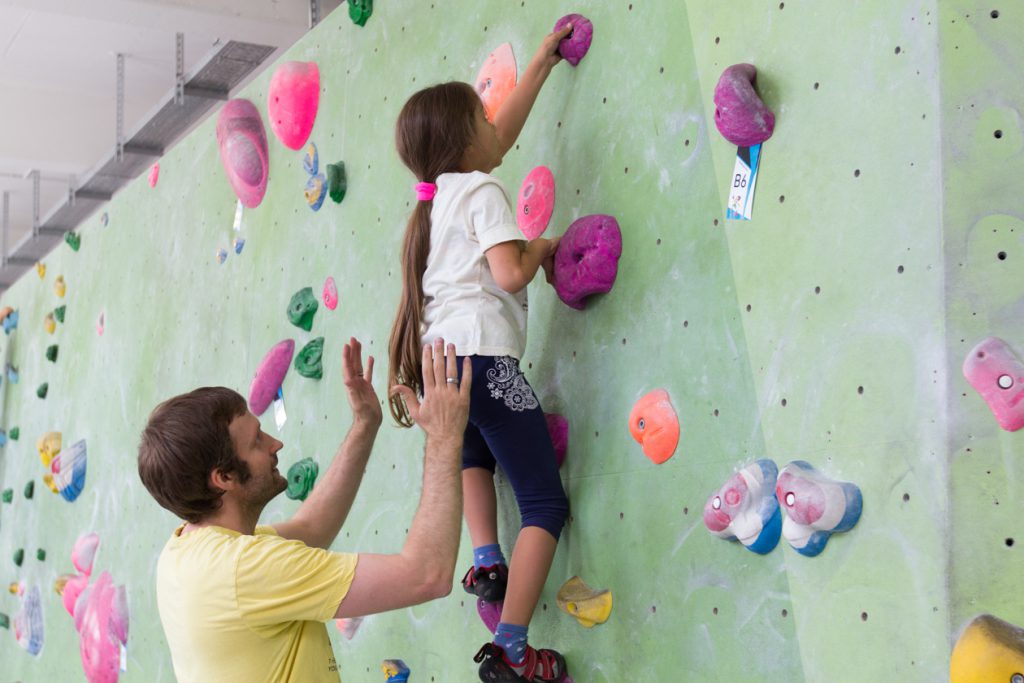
x,y
740,115
575,46
587,259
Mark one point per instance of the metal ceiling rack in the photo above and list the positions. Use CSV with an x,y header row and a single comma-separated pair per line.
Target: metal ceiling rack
x,y
189,102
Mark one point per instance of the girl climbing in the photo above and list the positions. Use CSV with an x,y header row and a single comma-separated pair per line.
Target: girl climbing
x,y
465,269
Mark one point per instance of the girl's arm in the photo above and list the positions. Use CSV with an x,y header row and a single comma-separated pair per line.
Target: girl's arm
x,y
510,119
514,266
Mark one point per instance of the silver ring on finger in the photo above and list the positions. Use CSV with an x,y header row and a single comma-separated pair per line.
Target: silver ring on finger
x,y
451,380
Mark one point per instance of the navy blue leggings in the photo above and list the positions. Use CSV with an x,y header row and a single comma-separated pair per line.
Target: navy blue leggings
x,y
507,426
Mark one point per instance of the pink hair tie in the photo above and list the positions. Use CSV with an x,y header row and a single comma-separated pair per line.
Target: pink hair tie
x,y
425,191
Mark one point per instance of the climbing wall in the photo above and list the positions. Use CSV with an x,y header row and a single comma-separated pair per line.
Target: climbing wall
x,y
830,328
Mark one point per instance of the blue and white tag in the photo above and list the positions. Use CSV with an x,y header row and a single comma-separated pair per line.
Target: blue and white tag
x,y
280,417
123,658
741,185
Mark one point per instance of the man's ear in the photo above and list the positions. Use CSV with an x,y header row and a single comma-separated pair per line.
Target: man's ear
x,y
222,481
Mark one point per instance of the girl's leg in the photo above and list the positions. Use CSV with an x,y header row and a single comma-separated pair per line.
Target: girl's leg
x,y
480,510
527,572
480,506
511,422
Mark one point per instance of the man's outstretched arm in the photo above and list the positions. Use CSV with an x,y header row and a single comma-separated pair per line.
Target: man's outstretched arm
x,y
319,519
425,567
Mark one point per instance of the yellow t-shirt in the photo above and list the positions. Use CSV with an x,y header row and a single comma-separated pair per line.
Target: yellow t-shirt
x,y
246,608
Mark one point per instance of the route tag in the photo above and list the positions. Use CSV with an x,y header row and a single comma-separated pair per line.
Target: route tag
x,y
742,182
280,417
237,225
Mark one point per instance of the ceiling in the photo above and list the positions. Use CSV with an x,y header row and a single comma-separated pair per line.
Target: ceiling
x,y
58,78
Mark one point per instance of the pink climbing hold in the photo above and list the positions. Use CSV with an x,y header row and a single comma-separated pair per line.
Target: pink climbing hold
x,y
84,552
536,202
292,102
740,115
243,150
154,174
558,428
330,294
587,259
574,46
998,375
269,375
72,589
101,619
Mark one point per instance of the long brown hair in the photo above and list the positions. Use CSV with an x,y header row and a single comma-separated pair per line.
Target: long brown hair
x,y
434,129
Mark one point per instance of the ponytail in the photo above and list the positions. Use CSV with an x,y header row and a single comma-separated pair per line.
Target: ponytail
x,y
404,350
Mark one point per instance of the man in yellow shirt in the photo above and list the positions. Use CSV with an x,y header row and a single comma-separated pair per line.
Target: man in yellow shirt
x,y
241,602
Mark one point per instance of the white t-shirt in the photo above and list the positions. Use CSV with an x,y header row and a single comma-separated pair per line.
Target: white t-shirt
x,y
462,302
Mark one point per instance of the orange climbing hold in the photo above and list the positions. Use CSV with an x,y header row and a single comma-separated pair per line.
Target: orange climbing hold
x,y
496,79
655,426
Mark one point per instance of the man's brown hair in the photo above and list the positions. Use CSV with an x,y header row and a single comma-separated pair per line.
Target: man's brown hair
x,y
185,439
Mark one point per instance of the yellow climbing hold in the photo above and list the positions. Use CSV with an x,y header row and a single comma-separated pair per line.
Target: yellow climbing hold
x,y
50,483
59,287
48,447
41,269
589,606
49,323
989,649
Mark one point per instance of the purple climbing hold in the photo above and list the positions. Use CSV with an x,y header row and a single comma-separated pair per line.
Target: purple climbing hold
x,y
243,150
740,115
269,376
587,259
574,46
558,429
490,613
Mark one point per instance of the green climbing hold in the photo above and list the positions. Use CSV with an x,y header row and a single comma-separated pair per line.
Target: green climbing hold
x,y
302,308
14,433
73,239
8,495
337,183
359,11
58,313
51,353
30,489
301,476
5,621
308,362
41,555
19,556
41,391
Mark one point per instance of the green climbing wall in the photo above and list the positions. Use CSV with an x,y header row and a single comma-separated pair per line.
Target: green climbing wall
x,y
830,328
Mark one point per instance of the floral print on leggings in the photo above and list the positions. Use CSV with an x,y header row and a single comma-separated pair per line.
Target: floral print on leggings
x,y
507,382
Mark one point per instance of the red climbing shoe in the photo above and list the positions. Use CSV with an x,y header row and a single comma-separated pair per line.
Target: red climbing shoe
x,y
542,666
487,583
